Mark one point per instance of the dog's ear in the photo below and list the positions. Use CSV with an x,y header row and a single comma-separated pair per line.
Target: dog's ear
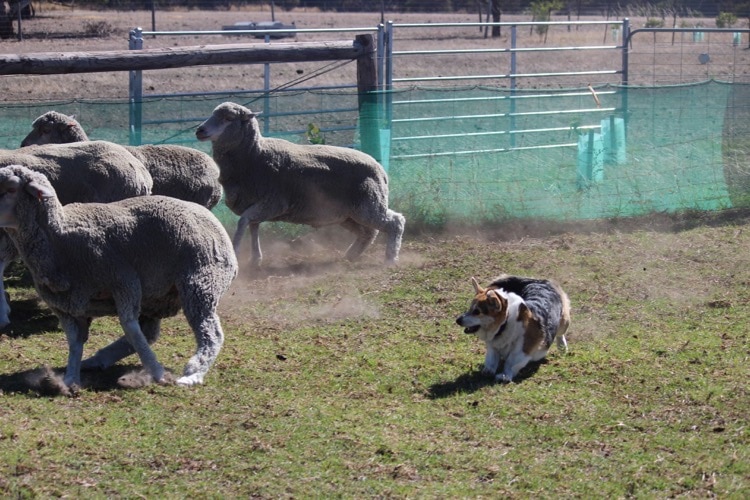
x,y
477,289
496,301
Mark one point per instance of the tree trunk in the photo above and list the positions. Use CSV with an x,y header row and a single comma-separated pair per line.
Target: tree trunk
x,y
496,12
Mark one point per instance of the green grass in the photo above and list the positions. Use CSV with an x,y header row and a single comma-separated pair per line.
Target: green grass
x,y
354,381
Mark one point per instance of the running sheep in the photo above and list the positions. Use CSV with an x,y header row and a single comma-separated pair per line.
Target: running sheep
x,y
177,171
142,259
84,172
267,179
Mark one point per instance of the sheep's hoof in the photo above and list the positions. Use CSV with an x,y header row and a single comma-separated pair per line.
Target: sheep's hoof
x,y
194,379
70,389
503,378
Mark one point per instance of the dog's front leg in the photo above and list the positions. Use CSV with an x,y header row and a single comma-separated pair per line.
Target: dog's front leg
x,y
491,361
513,365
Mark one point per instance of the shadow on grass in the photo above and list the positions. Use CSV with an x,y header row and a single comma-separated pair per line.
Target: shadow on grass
x,y
474,381
47,381
28,317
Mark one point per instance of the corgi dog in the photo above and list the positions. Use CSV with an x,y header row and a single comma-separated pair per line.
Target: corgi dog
x,y
517,318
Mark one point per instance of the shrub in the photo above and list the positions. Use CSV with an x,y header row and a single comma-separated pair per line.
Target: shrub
x,y
653,22
314,134
98,29
725,20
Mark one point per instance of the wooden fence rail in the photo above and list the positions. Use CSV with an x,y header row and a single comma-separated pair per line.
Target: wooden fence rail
x,y
362,49
49,63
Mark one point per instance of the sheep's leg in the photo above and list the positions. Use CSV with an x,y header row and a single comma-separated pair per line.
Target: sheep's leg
x,y
128,299
77,333
4,301
365,236
199,306
121,348
390,222
256,255
394,228
239,233
270,209
242,224
137,339
210,337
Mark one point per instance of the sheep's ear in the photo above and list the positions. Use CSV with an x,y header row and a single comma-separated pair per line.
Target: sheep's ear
x,y
11,184
39,191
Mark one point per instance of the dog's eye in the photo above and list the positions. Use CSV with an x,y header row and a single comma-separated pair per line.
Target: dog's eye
x,y
475,312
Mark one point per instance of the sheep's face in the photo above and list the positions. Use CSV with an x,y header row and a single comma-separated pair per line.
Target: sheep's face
x,y
9,186
224,116
17,181
40,135
53,128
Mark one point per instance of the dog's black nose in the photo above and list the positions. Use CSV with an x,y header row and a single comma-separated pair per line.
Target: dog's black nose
x,y
458,321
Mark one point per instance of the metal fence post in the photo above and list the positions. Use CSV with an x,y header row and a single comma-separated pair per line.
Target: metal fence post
x,y
513,41
389,74
267,93
135,92
381,55
625,76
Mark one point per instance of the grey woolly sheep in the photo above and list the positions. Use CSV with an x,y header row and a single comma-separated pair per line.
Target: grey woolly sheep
x,y
178,171
96,171
267,179
54,128
82,172
142,259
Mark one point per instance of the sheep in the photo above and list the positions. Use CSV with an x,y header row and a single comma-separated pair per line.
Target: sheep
x,y
55,128
267,179
85,172
178,171
142,259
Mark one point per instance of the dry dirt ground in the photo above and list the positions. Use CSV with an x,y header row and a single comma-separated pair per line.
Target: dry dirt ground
x,y
59,29
78,30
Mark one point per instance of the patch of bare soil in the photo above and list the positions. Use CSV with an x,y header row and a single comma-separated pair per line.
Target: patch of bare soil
x,y
63,30
56,29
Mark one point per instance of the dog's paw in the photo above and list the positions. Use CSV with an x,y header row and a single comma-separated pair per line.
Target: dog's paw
x,y
487,372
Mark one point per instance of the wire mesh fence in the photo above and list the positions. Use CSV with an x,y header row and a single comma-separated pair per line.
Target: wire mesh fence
x,y
493,152
686,149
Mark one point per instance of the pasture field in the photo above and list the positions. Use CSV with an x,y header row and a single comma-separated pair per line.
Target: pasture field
x,y
353,380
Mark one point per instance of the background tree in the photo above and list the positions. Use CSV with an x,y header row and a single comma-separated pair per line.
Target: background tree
x,y
541,10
